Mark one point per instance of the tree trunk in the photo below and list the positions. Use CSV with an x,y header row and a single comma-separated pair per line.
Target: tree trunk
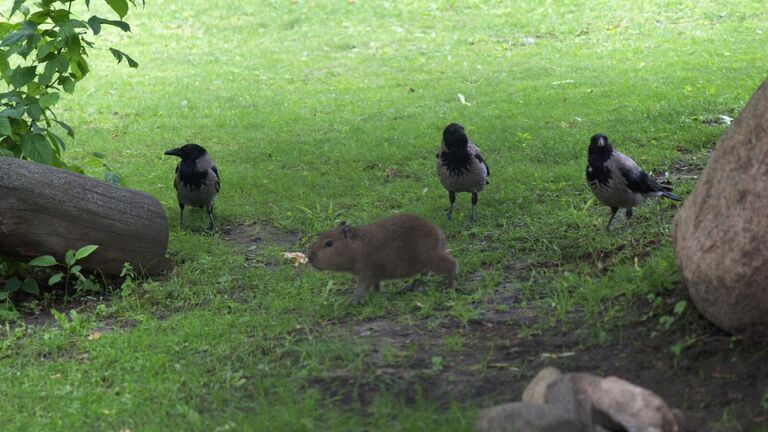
x,y
47,211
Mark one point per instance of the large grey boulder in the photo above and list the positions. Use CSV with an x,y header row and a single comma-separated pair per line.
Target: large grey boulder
x,y
720,234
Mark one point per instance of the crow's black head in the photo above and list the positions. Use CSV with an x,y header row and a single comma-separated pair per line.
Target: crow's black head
x,y
190,152
599,144
454,137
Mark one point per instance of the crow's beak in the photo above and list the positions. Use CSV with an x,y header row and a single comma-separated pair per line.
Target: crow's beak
x,y
174,152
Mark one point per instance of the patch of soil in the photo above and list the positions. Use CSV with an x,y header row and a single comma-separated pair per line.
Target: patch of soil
x,y
491,359
252,237
253,234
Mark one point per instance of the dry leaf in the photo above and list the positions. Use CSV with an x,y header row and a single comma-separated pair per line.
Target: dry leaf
x,y
94,335
462,100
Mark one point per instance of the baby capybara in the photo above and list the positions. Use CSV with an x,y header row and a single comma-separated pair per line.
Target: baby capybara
x,y
395,247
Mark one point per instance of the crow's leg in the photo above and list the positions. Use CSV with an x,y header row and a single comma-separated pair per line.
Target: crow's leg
x,y
613,214
212,226
452,199
629,216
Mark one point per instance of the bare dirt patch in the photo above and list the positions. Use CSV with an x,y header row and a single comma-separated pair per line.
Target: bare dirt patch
x,y
718,381
248,235
249,238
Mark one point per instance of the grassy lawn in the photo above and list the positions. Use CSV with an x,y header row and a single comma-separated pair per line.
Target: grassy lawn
x,y
322,111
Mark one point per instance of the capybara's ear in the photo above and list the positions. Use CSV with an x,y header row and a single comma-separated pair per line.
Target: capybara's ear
x,y
346,230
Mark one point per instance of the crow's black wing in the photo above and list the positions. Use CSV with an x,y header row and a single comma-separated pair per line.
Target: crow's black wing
x,y
639,181
482,161
218,178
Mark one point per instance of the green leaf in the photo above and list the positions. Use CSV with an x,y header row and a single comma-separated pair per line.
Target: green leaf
x,y
85,251
56,139
49,100
119,6
95,23
23,75
69,258
16,5
68,84
79,68
680,307
46,49
119,55
27,30
60,16
14,113
75,270
69,28
5,126
43,261
37,148
66,127
6,28
12,285
40,16
55,278
34,110
30,286
113,178
50,68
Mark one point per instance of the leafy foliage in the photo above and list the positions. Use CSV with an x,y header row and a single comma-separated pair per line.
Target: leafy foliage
x,y
70,268
24,278
42,55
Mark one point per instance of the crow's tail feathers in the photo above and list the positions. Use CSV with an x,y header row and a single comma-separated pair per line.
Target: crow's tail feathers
x,y
670,195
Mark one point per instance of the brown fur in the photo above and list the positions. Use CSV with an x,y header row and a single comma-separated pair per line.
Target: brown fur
x,y
395,247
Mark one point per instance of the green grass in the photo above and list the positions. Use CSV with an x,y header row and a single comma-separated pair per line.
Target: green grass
x,y
304,107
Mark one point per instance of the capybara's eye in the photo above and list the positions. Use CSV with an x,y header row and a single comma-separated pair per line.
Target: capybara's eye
x,y
328,243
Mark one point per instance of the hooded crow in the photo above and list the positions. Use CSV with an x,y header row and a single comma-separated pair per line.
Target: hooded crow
x,y
460,166
617,181
197,179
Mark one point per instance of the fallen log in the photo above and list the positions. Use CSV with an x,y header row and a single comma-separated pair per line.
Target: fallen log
x,y
47,211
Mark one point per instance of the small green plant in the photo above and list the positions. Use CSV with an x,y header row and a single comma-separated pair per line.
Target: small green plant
x,y
19,278
666,321
28,284
75,324
437,364
7,311
679,347
70,269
